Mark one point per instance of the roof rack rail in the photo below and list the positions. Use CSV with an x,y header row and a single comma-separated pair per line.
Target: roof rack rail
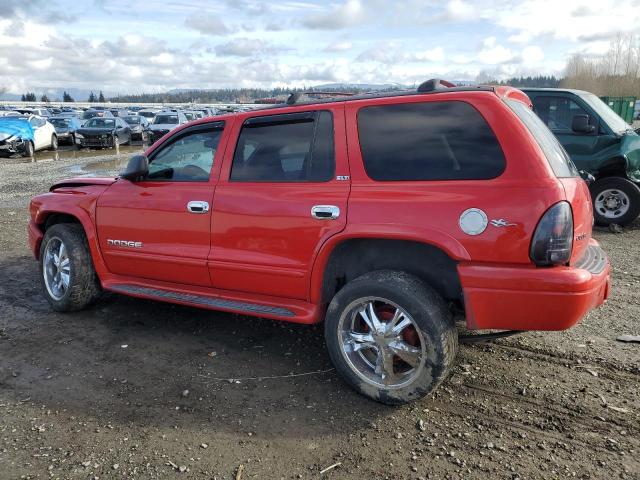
x,y
295,97
434,84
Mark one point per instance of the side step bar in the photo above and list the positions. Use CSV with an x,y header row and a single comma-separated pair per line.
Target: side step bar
x,y
215,303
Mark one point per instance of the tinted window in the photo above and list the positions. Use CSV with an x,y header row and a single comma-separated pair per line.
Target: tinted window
x,y
557,157
558,112
132,120
100,123
170,119
285,148
188,158
428,141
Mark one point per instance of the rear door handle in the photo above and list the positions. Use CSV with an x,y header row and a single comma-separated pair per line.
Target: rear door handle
x,y
197,206
325,212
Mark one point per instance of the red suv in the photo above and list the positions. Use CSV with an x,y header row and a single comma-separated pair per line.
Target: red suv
x,y
386,216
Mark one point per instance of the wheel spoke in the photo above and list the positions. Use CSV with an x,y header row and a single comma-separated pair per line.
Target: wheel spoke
x,y
408,353
62,252
370,317
64,278
360,341
384,366
64,265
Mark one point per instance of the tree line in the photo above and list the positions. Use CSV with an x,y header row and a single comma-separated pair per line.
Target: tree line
x,y
66,97
615,73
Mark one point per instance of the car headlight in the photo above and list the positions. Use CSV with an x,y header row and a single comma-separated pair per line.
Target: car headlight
x,y
79,135
5,136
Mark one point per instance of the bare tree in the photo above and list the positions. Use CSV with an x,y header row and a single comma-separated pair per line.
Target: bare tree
x,y
615,73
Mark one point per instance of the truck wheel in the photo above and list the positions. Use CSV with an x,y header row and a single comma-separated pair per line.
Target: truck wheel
x,y
615,200
69,281
390,336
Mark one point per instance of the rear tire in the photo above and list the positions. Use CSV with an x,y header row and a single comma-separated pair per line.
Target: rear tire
x,y
54,142
68,278
615,200
383,362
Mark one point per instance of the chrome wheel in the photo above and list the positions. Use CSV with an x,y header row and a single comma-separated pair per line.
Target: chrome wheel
x,y
381,343
56,268
612,203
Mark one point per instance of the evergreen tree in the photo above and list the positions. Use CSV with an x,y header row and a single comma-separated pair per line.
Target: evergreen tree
x,y
92,98
44,99
30,97
23,98
101,97
67,98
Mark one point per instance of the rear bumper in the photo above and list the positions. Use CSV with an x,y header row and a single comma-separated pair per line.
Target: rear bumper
x,y
530,298
35,238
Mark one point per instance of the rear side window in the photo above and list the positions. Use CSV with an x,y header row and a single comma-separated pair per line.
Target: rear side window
x,y
285,148
557,157
428,141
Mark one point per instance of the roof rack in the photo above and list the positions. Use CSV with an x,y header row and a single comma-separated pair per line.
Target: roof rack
x,y
434,84
296,96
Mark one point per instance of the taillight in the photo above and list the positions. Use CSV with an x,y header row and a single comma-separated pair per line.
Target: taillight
x,y
553,239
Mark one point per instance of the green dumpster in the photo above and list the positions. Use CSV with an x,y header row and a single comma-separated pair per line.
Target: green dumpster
x,y
623,106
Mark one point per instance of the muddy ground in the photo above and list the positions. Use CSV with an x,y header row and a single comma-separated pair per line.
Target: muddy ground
x,y
137,389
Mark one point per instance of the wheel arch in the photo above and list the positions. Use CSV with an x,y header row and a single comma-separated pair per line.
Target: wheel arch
x,y
349,257
616,166
73,215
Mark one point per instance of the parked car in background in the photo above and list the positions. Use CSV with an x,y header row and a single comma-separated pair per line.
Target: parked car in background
x,y
9,113
38,111
104,133
148,113
120,112
93,113
139,126
66,127
600,143
26,134
384,215
164,122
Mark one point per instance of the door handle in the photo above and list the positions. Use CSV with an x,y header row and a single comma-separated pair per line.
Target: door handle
x,y
325,212
197,206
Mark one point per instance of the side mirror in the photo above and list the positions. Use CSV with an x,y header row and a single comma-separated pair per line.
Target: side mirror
x,y
587,177
580,124
137,168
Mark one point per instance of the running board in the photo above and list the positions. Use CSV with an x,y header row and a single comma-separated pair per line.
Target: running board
x,y
206,301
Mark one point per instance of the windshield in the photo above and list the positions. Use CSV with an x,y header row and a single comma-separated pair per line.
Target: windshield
x,y
101,123
611,118
59,122
147,114
132,120
172,119
558,159
90,114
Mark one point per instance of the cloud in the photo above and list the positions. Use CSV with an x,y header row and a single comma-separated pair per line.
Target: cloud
x,y
207,24
491,53
349,14
246,47
338,46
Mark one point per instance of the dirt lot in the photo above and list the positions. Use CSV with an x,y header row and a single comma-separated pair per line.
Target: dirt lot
x,y
137,389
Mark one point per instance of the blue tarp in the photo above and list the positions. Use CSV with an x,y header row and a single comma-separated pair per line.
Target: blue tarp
x,y
19,127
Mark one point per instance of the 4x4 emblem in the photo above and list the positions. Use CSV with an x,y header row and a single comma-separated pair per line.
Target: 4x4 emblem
x,y
501,222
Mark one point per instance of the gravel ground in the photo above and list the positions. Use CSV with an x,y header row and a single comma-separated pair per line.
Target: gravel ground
x,y
138,389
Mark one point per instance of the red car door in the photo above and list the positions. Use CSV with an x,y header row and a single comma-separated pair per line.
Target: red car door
x,y
282,193
159,228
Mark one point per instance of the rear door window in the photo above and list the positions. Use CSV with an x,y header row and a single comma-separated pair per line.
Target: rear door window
x,y
557,157
295,147
428,141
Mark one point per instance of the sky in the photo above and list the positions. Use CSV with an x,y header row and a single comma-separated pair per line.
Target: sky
x,y
152,45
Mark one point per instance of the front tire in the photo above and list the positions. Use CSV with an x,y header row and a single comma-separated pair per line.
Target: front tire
x,y
615,200
29,150
390,336
54,142
68,278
